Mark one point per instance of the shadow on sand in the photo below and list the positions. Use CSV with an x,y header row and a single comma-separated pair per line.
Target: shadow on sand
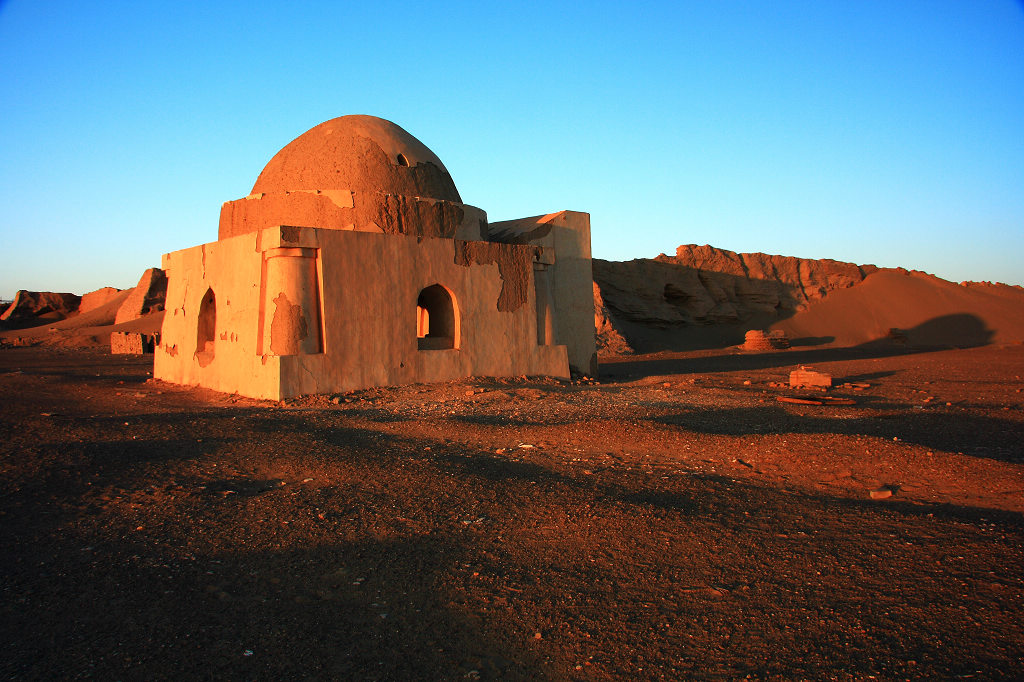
x,y
949,331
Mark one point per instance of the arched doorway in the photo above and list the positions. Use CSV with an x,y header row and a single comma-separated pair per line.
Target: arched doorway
x,y
437,319
206,329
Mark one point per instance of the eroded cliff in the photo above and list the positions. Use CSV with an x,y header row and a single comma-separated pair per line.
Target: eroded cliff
x,y
713,294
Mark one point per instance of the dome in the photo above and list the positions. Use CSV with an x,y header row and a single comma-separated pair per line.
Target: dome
x,y
362,154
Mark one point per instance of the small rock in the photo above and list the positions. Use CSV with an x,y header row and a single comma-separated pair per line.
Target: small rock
x,y
880,493
806,377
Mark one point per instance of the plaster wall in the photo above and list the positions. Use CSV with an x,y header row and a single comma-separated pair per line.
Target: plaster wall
x,y
350,210
565,239
368,285
232,270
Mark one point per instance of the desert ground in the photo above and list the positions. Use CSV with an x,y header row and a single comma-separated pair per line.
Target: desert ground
x,y
670,520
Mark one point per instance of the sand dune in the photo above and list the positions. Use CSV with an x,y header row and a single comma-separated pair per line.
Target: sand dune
x,y
929,310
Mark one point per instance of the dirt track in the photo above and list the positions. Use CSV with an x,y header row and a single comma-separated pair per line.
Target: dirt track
x,y
671,522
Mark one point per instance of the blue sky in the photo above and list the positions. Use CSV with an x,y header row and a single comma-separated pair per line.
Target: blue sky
x,y
876,132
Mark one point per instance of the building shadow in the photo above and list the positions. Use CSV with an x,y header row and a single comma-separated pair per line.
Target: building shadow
x,y
977,436
447,563
948,331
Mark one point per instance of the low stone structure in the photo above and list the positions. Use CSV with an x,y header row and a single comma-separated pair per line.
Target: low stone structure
x,y
354,263
757,339
896,334
131,343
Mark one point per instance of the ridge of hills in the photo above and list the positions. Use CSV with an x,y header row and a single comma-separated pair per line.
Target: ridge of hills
x,y
702,297
705,297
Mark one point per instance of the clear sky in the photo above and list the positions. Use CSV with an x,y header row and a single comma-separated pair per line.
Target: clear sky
x,y
884,132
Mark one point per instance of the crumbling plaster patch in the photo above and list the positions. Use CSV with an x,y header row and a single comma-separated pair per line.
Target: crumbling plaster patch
x,y
515,265
288,327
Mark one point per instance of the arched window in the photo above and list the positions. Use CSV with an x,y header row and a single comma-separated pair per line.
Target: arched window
x,y
206,329
437,319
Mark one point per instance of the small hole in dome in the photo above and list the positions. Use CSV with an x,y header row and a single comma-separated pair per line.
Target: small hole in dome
x,y
402,161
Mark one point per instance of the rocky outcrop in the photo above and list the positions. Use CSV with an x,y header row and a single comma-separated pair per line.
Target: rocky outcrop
x,y
762,282
95,299
607,335
646,302
147,297
40,304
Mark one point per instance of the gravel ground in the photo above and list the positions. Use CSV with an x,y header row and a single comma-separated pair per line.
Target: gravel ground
x,y
672,520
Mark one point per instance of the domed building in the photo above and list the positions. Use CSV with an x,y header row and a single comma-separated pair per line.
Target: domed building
x,y
354,263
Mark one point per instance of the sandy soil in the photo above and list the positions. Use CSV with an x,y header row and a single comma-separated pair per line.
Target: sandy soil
x,y
672,521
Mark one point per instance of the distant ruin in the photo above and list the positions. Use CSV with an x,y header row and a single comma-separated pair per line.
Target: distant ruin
x,y
354,263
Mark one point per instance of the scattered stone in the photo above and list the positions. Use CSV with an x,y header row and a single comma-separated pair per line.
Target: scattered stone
x,y
798,401
805,377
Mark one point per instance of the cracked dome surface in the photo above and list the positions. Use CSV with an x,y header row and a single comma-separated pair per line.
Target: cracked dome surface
x,y
362,154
